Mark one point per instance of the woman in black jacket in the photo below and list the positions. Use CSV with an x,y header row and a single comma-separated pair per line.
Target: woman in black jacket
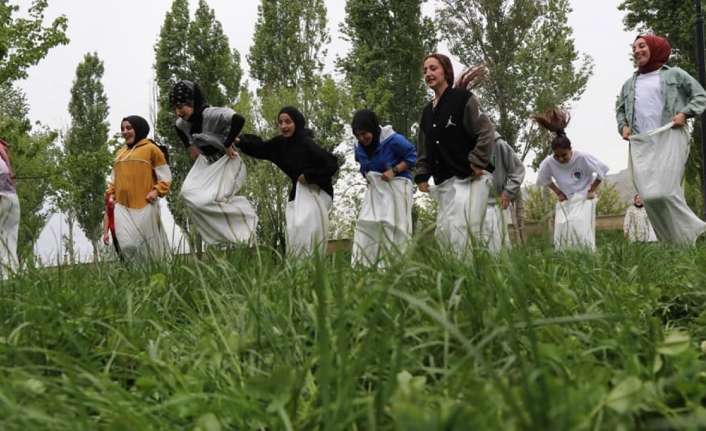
x,y
455,142
310,168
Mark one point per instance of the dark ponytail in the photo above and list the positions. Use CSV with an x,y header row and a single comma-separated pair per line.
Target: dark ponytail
x,y
555,120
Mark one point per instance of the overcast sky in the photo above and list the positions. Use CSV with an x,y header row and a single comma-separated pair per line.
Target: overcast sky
x,y
123,33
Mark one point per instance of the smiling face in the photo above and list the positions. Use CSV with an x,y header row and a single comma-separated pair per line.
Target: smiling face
x,y
128,132
641,52
562,155
434,74
364,137
286,125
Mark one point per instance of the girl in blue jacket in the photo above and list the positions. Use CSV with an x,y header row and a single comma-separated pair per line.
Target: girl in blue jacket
x,y
386,159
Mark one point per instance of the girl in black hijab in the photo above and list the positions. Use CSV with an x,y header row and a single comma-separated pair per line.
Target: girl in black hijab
x,y
294,152
310,169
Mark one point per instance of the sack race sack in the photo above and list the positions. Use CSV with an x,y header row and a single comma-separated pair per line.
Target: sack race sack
x,y
209,192
462,207
496,235
307,220
9,228
140,232
657,162
385,220
575,223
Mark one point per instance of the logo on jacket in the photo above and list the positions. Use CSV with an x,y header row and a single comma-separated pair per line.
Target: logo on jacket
x,y
578,175
450,123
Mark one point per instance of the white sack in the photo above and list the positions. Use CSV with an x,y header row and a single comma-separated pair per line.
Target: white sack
x,y
385,220
496,234
140,232
462,206
9,228
209,192
657,162
307,220
575,223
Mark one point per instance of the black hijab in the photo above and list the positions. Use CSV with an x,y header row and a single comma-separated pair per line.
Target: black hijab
x,y
366,120
140,126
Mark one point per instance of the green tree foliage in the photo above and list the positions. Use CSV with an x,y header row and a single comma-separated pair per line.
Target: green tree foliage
x,y
289,44
389,38
528,47
609,202
211,61
86,158
673,19
330,112
197,50
25,41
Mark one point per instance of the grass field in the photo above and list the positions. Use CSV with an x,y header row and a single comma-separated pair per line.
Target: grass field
x,y
533,340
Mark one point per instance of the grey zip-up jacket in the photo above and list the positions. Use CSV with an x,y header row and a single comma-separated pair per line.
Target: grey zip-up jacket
x,y
218,129
509,171
682,93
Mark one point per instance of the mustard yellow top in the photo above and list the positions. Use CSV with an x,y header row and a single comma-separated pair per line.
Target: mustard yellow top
x,y
136,172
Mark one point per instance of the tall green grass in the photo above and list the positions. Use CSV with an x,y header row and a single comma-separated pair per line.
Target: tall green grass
x,y
531,340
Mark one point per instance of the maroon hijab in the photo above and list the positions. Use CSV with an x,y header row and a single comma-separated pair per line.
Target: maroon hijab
x,y
660,50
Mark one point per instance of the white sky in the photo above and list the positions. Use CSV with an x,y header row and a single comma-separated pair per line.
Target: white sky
x,y
124,32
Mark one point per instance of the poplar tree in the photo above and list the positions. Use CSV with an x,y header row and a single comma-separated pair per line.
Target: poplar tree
x,y
289,44
86,157
389,39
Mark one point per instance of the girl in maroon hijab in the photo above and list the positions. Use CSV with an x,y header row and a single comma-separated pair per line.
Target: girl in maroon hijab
x,y
652,109
656,94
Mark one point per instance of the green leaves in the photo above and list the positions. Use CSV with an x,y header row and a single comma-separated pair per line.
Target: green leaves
x,y
388,42
26,41
529,50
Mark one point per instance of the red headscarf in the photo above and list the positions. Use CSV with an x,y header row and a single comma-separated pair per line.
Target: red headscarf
x,y
660,50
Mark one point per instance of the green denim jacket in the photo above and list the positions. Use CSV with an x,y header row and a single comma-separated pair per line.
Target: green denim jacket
x,y
682,93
